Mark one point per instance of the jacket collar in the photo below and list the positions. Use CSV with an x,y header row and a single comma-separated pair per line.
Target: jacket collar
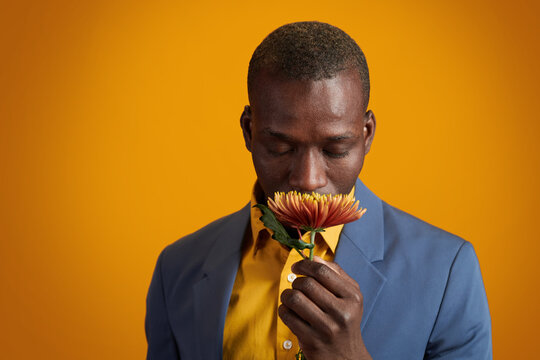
x,y
213,290
360,245
367,233
228,242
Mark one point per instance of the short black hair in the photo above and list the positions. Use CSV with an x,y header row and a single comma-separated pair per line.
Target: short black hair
x,y
308,50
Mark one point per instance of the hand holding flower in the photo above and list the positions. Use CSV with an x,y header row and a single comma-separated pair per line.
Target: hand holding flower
x,y
324,310
324,307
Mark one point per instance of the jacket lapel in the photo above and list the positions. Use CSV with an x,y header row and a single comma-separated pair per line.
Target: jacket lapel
x,y
212,292
362,243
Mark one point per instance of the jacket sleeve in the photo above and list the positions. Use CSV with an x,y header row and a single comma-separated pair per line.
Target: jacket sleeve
x,y
463,326
161,342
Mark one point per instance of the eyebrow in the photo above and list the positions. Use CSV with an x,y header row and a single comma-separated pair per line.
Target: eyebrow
x,y
277,134
345,136
285,137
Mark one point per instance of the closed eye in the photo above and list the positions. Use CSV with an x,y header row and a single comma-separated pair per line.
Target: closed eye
x,y
335,155
274,153
280,151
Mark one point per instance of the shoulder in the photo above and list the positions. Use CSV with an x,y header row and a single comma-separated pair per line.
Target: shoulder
x,y
416,237
428,260
422,255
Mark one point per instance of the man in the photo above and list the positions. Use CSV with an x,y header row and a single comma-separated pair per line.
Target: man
x,y
387,286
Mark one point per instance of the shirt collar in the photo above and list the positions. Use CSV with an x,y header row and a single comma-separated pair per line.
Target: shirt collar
x,y
260,233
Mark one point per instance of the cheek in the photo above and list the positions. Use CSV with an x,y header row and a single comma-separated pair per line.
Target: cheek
x,y
357,163
271,171
343,174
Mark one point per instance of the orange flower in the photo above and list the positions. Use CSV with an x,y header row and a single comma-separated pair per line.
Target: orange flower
x,y
314,211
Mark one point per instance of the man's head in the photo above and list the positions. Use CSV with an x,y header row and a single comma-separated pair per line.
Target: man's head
x,y
308,50
307,126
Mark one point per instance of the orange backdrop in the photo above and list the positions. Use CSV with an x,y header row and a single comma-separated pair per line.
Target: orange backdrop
x,y
119,133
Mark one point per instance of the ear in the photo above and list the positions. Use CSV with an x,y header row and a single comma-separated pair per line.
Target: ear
x,y
246,122
369,130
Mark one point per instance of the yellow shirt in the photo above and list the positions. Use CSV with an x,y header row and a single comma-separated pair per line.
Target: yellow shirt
x,y
253,329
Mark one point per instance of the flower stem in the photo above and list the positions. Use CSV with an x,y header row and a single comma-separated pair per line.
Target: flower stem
x,y
301,253
312,240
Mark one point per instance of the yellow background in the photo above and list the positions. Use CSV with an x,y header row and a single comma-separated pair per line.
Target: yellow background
x,y
119,133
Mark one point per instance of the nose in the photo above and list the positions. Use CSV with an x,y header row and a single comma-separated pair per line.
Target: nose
x,y
308,172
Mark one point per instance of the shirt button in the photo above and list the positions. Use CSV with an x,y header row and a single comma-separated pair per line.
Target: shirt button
x,y
291,277
287,344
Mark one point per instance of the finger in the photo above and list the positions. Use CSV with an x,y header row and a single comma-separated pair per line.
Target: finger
x,y
297,325
338,283
332,265
317,293
302,306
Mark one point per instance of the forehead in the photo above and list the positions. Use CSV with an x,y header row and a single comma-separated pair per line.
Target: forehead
x,y
328,105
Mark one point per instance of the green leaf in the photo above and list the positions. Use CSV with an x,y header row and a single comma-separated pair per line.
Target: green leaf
x,y
280,234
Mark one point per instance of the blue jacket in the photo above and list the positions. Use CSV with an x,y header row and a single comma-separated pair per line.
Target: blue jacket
x,y
423,292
